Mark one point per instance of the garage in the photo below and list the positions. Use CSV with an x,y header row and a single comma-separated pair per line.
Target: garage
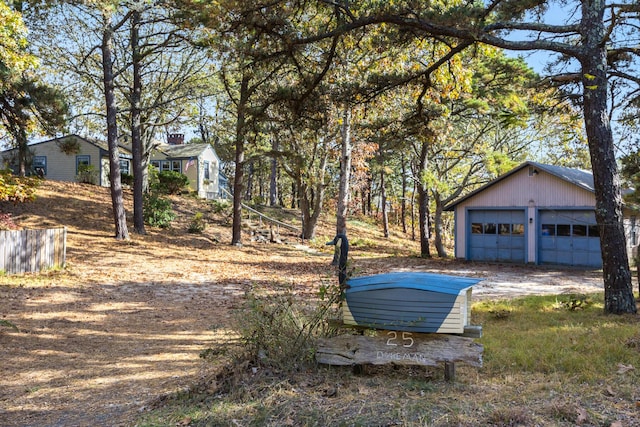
x,y
497,235
569,237
534,214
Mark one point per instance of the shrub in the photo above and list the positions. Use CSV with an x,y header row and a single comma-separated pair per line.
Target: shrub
x,y
126,179
220,206
171,182
198,223
17,189
157,211
278,330
87,174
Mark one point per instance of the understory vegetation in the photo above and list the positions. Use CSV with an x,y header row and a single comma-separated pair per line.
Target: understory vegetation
x,y
548,360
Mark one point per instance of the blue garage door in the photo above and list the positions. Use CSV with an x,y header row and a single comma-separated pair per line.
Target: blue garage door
x,y
569,238
497,235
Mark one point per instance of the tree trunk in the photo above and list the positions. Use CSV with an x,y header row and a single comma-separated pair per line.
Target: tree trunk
x,y
136,130
437,226
311,204
294,195
345,173
423,214
23,149
403,205
250,176
236,238
117,202
618,293
383,201
273,180
423,203
413,210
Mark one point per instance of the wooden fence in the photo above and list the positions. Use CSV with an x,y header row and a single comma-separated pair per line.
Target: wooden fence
x,y
30,251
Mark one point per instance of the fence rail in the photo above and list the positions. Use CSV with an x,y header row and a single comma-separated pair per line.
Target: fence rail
x,y
30,251
263,217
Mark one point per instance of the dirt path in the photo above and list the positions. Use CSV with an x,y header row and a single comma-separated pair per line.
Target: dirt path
x,y
97,354
92,353
126,322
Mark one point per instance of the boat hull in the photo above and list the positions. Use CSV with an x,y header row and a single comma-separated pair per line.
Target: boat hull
x,y
412,302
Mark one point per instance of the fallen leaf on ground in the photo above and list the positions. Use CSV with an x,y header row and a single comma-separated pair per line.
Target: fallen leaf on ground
x,y
622,368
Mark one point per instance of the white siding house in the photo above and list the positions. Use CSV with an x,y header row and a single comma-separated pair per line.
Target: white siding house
x,y
60,159
52,158
536,213
199,162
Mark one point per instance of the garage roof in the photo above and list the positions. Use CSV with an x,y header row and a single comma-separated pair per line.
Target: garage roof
x,y
578,177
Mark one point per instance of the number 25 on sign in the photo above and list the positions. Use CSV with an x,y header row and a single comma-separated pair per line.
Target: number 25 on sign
x,y
394,340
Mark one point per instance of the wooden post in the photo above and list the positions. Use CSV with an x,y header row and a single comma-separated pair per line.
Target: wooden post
x,y
449,371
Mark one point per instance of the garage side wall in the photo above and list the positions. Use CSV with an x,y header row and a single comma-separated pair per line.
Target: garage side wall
x,y
524,190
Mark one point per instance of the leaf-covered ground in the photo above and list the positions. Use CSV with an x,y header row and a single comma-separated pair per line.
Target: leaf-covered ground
x,y
123,325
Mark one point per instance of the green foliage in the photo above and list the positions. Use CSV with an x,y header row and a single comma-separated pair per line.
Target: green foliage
x,y
197,224
171,182
13,55
157,210
69,146
17,189
87,174
631,174
126,179
278,331
220,206
9,325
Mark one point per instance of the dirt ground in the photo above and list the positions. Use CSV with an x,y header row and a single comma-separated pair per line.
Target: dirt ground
x,y
125,322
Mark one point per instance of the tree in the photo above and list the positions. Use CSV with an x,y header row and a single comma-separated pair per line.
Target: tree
x,y
593,36
27,104
167,74
631,174
110,26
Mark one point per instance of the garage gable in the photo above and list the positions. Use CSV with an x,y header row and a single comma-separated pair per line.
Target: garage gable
x,y
503,220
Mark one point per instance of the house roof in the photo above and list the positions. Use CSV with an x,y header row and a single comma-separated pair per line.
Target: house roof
x,y
98,143
183,150
578,177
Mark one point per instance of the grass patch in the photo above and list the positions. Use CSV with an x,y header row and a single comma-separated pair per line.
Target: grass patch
x,y
546,363
548,335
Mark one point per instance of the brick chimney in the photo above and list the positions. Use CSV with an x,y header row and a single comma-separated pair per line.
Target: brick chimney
x,y
175,139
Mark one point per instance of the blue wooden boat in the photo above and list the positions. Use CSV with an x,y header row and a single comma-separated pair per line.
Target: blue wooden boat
x,y
404,301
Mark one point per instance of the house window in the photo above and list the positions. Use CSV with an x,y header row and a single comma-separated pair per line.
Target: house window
x,y
489,228
167,165
504,229
82,162
564,230
517,229
124,166
39,165
206,169
579,230
548,229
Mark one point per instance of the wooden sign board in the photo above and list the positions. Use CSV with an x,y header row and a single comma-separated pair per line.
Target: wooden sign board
x,y
400,348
